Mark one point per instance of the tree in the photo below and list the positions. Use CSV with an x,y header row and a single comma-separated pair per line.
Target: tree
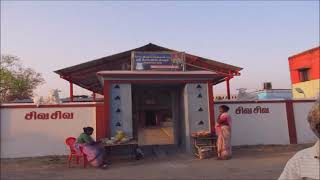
x,y
16,82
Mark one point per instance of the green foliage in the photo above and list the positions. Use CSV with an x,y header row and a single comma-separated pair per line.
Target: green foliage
x,y
16,82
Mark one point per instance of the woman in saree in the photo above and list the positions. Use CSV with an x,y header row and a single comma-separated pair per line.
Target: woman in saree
x,y
91,148
223,130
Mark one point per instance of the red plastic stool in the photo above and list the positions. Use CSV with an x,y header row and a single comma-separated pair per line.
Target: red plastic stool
x,y
70,141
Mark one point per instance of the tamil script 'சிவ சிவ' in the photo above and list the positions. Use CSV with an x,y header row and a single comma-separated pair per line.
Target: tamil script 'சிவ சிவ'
x,y
58,115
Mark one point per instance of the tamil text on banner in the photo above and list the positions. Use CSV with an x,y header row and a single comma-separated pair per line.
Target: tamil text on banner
x,y
163,61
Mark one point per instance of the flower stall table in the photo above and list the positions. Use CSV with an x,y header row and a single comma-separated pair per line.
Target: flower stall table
x,y
132,145
202,143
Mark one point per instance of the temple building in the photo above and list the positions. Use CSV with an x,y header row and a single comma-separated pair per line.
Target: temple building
x,y
154,94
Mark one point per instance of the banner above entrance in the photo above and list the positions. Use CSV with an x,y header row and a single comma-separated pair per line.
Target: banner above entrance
x,y
158,61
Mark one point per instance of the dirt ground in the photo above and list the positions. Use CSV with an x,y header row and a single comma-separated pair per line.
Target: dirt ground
x,y
252,162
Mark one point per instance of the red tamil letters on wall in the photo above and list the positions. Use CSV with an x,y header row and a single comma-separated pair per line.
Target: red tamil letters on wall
x,y
58,115
256,110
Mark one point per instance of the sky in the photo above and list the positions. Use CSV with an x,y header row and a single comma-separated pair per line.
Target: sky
x,y
257,36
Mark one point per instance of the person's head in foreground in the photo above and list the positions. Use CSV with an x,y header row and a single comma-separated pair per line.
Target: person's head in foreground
x,y
305,164
314,119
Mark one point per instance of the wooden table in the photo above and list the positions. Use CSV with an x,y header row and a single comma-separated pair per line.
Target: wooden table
x,y
132,145
203,142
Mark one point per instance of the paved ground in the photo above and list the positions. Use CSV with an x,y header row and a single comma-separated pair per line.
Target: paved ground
x,y
255,162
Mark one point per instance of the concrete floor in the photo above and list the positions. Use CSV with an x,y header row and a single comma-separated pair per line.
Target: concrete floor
x,y
257,162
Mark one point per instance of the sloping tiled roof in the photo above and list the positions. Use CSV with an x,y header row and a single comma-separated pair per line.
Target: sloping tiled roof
x,y
84,74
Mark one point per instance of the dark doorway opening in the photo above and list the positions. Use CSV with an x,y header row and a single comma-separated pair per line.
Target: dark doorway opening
x,y
150,119
156,113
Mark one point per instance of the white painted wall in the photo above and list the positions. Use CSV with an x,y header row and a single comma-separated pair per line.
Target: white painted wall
x,y
304,133
27,138
253,129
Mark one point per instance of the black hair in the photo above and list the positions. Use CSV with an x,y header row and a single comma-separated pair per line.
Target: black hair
x,y
225,108
87,129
